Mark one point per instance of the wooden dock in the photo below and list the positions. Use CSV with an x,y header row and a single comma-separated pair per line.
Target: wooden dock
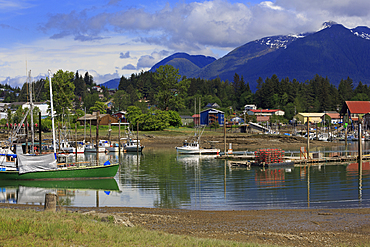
x,y
242,160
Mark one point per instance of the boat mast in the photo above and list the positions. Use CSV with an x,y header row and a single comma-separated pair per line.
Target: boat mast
x,y
31,114
52,113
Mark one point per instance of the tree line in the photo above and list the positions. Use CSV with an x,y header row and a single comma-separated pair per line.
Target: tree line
x,y
166,90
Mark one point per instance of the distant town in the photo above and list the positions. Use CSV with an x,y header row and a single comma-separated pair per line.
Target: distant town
x,y
163,98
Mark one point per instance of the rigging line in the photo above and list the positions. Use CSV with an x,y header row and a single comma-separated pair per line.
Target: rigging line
x,y
62,91
39,89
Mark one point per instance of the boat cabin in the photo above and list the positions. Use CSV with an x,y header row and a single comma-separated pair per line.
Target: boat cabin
x,y
190,144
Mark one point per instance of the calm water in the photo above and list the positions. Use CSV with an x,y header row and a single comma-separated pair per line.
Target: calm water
x,y
160,178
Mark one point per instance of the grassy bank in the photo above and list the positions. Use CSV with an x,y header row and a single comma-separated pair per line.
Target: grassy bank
x,y
32,228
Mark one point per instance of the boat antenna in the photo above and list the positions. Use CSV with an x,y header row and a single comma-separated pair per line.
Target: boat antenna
x,y
31,114
52,113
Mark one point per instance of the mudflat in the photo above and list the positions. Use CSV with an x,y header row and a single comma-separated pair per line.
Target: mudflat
x,y
239,141
288,227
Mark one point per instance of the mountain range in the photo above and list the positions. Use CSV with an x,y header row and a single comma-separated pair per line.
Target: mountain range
x,y
334,51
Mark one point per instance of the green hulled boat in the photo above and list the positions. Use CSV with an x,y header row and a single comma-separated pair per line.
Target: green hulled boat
x,y
68,173
45,167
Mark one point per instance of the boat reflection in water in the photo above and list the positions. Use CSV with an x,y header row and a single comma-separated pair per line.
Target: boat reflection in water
x,y
33,191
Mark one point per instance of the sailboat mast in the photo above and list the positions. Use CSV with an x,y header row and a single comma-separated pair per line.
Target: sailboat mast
x,y
31,114
52,112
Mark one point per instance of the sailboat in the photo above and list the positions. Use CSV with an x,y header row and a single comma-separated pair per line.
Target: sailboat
x,y
46,167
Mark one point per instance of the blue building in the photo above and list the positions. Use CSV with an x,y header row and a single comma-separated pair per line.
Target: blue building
x,y
208,116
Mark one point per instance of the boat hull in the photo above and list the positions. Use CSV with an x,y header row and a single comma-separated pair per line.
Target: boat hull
x,y
93,150
112,149
181,150
94,172
133,149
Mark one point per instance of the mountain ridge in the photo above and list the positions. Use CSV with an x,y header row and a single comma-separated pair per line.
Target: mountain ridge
x,y
333,51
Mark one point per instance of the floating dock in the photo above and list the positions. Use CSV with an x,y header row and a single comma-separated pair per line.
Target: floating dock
x,y
243,160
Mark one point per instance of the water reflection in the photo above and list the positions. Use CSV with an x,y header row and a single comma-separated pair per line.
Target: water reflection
x,y
161,178
33,192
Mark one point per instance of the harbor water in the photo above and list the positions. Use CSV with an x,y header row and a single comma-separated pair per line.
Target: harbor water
x,y
160,178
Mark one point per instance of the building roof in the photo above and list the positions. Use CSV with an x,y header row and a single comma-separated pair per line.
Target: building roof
x,y
311,114
212,110
186,117
265,110
262,118
88,117
333,115
211,105
358,107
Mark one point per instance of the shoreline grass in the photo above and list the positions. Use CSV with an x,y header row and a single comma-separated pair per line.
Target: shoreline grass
x,y
39,228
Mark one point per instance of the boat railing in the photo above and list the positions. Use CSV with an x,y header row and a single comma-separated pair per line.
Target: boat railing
x,y
79,164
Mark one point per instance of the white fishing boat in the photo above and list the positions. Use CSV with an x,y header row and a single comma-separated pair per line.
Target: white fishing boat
x,y
194,148
68,148
133,145
114,147
91,148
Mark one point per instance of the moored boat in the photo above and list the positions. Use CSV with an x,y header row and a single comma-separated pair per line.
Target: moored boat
x,y
114,147
194,148
133,146
45,167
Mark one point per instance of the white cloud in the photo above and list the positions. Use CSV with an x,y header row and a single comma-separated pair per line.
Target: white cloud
x,y
209,28
196,26
270,5
147,61
14,4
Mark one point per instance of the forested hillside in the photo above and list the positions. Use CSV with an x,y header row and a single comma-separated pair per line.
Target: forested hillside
x,y
166,90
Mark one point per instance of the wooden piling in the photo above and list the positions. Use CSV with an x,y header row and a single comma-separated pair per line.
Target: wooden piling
x,y
308,138
40,139
224,137
76,143
97,137
359,141
50,202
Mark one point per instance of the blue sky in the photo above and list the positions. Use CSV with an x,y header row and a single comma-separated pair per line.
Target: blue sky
x,y
112,38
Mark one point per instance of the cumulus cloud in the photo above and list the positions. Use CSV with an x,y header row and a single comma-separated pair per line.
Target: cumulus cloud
x,y
124,55
333,7
14,82
99,78
147,61
195,26
77,24
129,67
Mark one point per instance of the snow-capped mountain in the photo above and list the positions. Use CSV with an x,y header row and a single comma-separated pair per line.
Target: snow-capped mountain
x,y
334,51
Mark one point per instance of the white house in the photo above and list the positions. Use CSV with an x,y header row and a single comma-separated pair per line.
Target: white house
x,y
42,106
250,107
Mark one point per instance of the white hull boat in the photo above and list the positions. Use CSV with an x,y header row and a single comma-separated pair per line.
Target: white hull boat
x,y
193,148
90,148
133,146
113,148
